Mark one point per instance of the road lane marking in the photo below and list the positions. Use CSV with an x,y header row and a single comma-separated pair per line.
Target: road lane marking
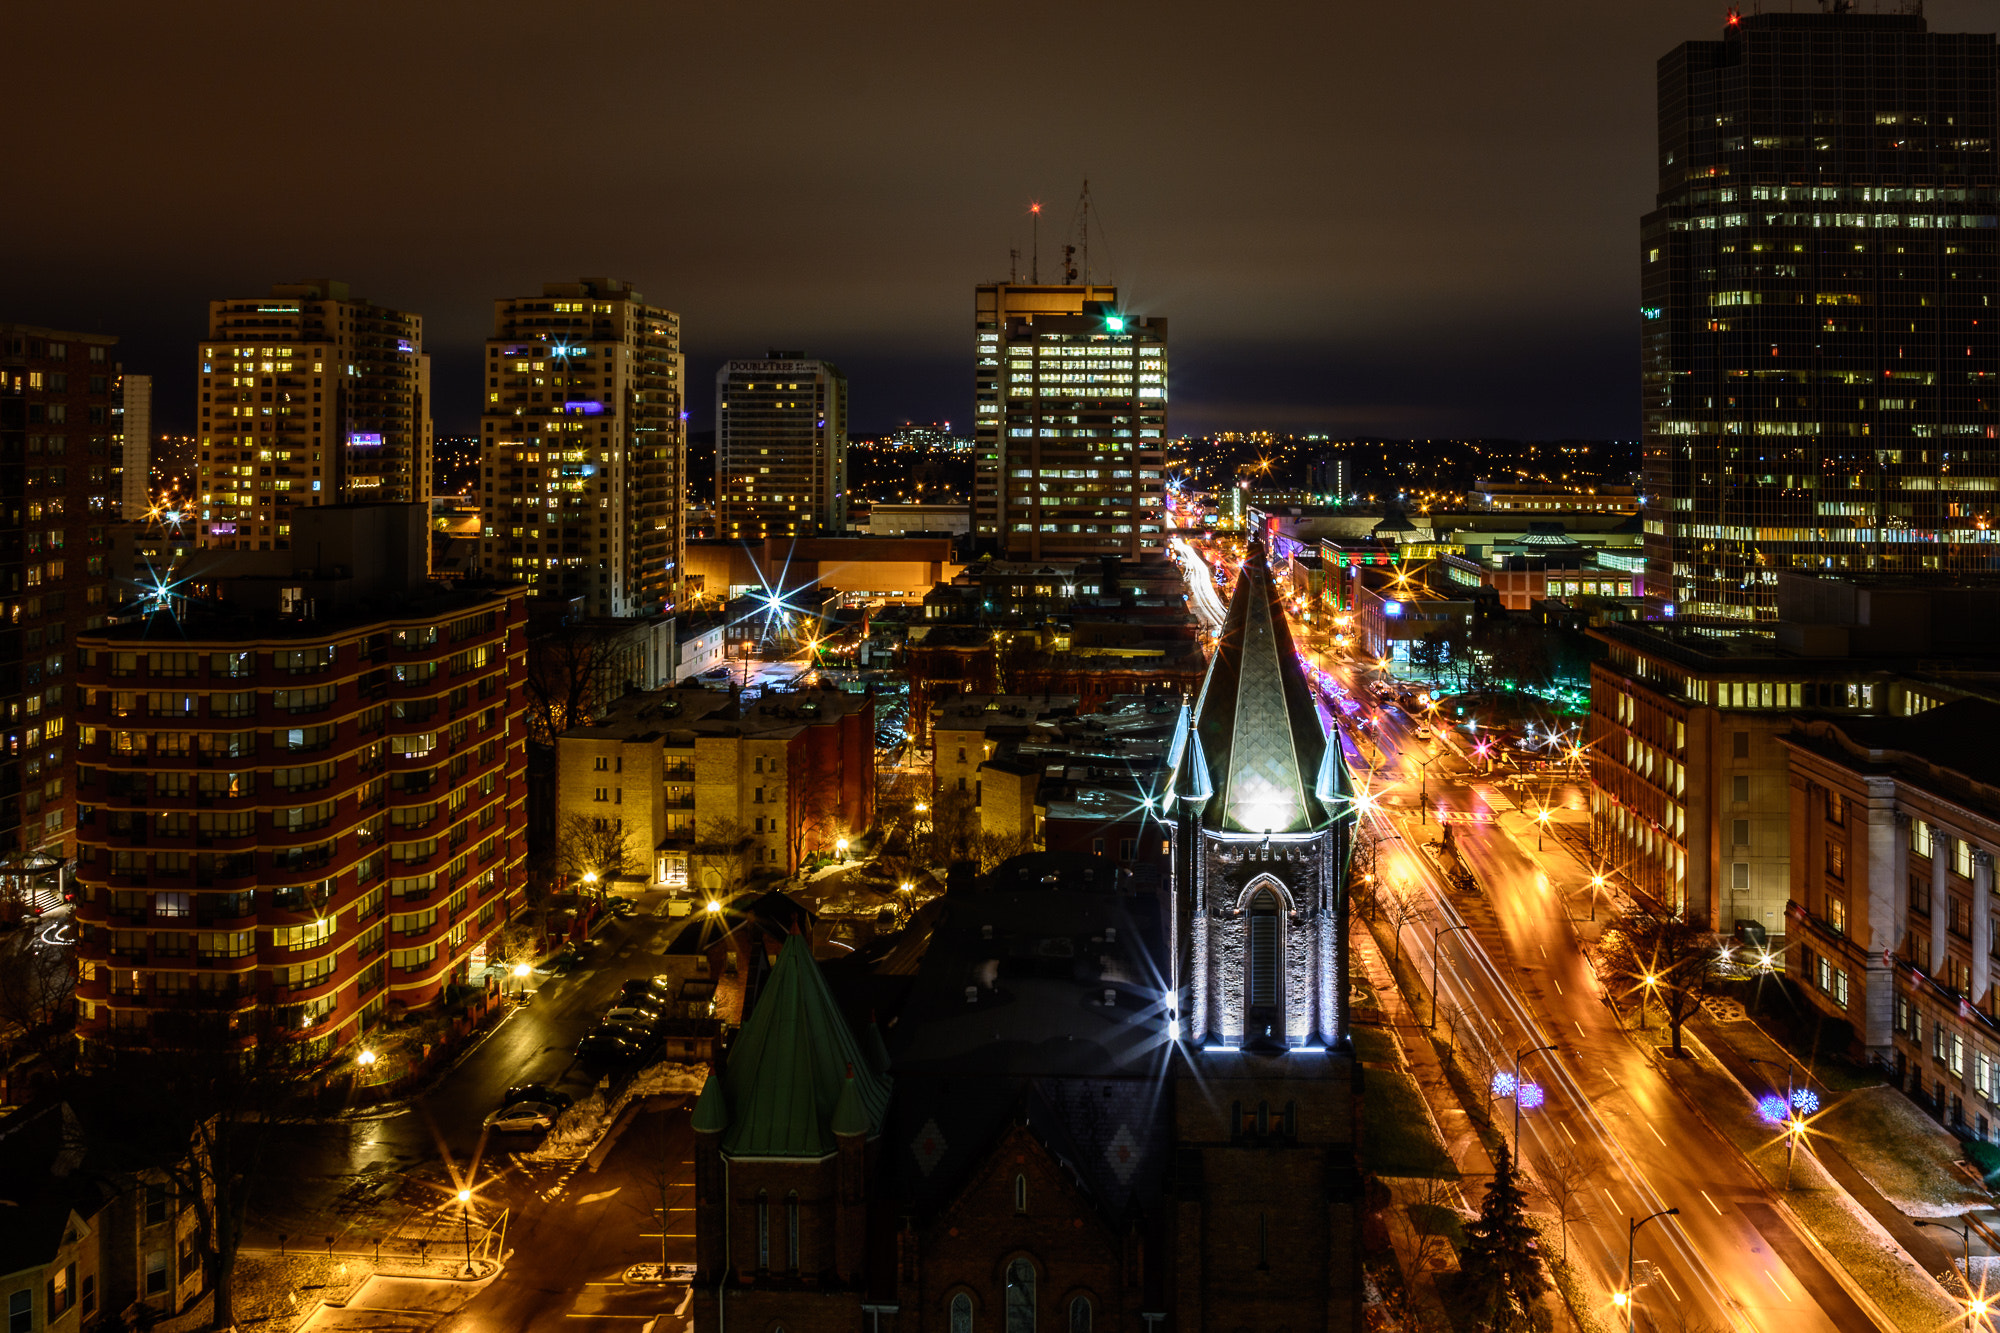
x,y
1559,985
1711,1203
1566,1134
1608,1074
1670,1285
1545,952
1656,1133
1607,1194
1579,1027
1774,1282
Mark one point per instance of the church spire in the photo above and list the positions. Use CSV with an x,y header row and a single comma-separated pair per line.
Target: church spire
x,y
1269,764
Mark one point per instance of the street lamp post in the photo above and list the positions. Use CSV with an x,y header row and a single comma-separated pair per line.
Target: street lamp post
x,y
1436,935
465,1213
1532,1050
521,971
1795,1129
1541,826
1975,1304
1629,1298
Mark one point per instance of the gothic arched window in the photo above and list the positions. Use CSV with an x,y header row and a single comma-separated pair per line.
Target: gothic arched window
x,y
1264,950
1020,1297
1079,1315
961,1313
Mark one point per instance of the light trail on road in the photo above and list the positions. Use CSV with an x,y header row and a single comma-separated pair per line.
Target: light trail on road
x,y
1202,597
1496,1021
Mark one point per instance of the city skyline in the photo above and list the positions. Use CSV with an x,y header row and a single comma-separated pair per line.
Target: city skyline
x,y
1304,210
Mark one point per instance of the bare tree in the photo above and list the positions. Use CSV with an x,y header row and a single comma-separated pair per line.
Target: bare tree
x,y
37,990
1667,959
1454,1018
725,846
1429,1219
1565,1182
211,1111
583,848
570,670
1403,905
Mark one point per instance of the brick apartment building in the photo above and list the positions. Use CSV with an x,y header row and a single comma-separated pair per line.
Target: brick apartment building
x,y
685,771
303,805
60,491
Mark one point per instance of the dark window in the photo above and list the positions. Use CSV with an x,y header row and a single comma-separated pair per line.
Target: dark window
x,y
20,1311
1739,744
1263,950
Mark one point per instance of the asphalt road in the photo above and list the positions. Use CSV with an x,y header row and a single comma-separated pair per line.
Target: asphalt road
x,y
1730,1258
571,1231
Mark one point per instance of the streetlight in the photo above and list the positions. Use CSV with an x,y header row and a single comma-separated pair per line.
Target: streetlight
x,y
1628,1297
1541,826
521,971
1649,981
1532,1050
465,1212
1436,935
1975,1305
365,1058
840,848
1795,1129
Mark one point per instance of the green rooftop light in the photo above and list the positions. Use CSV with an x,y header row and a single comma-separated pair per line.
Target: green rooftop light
x,y
1115,323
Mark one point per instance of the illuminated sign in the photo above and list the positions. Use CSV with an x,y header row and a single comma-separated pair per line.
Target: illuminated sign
x,y
1392,608
563,349
583,406
363,440
403,345
222,529
1115,323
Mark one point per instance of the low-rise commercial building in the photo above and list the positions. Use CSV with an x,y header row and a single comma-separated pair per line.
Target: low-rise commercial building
x,y
302,803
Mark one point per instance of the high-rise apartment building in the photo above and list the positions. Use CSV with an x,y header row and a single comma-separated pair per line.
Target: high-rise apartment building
x,y
584,447
309,396
59,396
135,446
780,448
301,804
1821,358
1069,422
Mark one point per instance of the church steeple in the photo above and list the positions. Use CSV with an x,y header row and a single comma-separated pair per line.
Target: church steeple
x,y
1255,725
1260,813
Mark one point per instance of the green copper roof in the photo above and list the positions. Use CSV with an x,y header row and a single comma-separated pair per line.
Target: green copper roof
x,y
1255,729
711,1109
788,1072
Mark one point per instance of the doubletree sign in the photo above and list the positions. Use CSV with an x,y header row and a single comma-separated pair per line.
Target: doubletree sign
x,y
1395,558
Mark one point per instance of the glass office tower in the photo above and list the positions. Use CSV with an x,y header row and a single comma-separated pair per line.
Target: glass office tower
x,y
1820,362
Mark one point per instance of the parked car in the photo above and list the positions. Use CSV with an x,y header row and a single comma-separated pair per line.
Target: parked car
x,y
633,1015
1423,731
648,993
537,1092
611,1047
524,1118
621,907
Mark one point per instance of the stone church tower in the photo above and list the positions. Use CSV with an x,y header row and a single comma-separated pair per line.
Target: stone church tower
x,y
1261,817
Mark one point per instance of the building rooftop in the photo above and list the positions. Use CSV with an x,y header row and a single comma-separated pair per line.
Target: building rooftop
x,y
206,622
1948,749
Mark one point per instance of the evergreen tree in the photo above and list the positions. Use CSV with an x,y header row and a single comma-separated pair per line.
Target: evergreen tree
x,y
1502,1274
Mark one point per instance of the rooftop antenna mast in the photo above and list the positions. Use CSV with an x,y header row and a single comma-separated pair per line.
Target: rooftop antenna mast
x,y
1083,204
1035,274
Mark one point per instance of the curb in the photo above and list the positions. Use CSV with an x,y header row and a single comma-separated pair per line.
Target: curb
x,y
402,1105
1833,1266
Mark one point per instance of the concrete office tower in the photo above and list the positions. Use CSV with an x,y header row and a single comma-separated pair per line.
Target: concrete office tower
x,y
58,398
135,446
1821,361
584,447
309,396
1069,423
780,448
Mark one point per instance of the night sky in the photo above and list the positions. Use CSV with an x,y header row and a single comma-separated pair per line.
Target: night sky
x,y
1370,219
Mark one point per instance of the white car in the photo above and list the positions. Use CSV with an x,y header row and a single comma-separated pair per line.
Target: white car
x,y
523,1118
1423,731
